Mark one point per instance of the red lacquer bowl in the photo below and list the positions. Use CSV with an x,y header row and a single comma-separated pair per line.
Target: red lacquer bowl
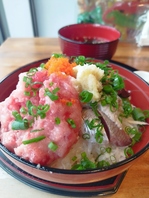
x,y
140,98
90,40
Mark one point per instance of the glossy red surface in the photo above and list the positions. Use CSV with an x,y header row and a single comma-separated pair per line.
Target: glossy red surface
x,y
104,187
71,39
140,98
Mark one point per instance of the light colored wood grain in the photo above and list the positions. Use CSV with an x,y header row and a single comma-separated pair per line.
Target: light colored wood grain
x,y
16,52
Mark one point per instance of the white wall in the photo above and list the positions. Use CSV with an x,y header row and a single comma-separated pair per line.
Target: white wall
x,y
18,17
51,15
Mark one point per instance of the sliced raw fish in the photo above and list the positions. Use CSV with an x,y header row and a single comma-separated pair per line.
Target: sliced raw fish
x,y
116,135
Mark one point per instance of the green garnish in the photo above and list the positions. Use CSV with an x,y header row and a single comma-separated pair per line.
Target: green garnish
x,y
146,113
136,135
17,115
113,159
28,81
52,146
85,163
74,158
94,106
23,110
127,108
32,71
86,136
85,96
138,114
71,123
36,111
102,164
42,110
96,124
19,123
51,84
42,65
27,93
99,135
33,140
108,149
80,60
109,99
58,55
52,94
55,90
107,89
32,85
37,130
69,104
118,82
57,120
128,152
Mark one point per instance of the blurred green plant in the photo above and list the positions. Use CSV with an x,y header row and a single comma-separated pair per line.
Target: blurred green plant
x,y
93,16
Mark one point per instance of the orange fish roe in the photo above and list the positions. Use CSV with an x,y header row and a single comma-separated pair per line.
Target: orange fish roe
x,y
68,102
60,64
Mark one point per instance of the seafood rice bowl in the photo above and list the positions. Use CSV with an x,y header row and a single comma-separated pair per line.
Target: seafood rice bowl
x,y
71,113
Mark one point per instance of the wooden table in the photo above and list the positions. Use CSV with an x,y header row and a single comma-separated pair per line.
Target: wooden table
x,y
16,52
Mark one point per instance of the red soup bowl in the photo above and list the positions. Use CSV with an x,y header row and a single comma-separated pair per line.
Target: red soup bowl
x,y
139,89
90,40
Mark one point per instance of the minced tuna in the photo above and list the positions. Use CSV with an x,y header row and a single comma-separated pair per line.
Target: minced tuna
x,y
45,106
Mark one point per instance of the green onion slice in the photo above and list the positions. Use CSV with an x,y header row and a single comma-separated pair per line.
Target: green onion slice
x,y
27,80
128,152
57,120
32,71
108,149
94,123
42,65
52,95
74,158
107,88
20,125
71,122
51,84
29,106
84,164
54,91
69,104
138,114
27,93
86,136
85,96
102,164
52,146
118,82
17,115
33,140
37,130
58,55
23,110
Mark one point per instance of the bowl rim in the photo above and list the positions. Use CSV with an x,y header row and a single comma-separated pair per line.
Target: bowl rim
x,y
68,171
86,24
